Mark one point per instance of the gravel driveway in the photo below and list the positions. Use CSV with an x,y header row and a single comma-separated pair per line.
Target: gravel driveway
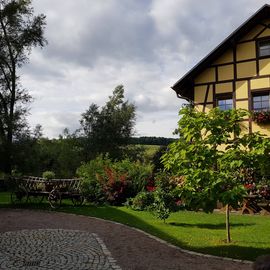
x,y
132,249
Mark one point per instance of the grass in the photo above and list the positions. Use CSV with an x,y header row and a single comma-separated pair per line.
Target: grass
x,y
199,232
150,150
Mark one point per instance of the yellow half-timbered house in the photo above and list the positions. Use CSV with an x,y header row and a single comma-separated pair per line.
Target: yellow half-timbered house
x,y
236,74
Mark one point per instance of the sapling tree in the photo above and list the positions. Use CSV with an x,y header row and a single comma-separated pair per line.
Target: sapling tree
x,y
212,154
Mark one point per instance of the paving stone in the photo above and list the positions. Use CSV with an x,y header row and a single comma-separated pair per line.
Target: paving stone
x,y
54,249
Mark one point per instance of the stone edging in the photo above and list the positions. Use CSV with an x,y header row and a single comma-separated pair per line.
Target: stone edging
x,y
107,253
165,242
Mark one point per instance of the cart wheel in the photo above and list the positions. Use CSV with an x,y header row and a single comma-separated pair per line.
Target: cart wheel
x,y
19,196
77,200
54,198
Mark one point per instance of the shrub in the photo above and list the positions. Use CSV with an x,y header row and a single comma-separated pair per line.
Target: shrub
x,y
91,187
137,173
48,175
142,201
115,186
114,182
166,196
164,203
93,192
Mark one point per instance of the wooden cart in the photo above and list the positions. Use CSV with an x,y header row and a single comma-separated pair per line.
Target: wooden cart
x,y
36,189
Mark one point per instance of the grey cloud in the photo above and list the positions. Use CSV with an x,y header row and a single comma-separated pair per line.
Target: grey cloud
x,y
145,45
199,26
54,122
157,124
84,34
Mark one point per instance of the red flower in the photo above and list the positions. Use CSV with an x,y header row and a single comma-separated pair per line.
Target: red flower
x,y
150,188
261,117
248,186
178,202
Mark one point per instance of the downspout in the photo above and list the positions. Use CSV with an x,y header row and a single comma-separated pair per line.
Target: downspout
x,y
190,101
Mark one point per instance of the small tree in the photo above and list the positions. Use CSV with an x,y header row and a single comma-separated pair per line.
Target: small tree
x,y
212,154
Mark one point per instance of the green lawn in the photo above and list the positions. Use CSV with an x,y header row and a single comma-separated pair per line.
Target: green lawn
x,y
151,149
194,231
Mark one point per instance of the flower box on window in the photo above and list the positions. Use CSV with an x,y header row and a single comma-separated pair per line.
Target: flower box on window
x,y
261,117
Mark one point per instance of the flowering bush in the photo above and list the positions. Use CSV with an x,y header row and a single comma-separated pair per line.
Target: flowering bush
x,y
150,185
106,181
139,174
261,117
115,186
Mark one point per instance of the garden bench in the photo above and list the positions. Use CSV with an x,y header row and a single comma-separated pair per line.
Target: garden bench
x,y
253,204
265,206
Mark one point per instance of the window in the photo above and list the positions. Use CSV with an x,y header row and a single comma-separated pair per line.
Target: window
x,y
225,102
261,102
264,48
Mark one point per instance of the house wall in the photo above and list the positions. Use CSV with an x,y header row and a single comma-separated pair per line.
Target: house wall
x,y
239,72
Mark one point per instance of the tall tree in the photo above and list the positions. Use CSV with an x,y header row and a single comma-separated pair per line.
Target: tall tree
x,y
20,31
109,128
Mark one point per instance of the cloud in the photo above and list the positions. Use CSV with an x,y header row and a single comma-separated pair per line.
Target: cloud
x,y
84,31
144,45
194,27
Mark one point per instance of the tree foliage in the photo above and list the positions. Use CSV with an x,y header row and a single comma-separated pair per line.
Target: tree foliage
x,y
108,128
20,31
213,153
36,154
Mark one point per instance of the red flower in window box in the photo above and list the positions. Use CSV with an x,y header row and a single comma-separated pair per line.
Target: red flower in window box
x,y
261,117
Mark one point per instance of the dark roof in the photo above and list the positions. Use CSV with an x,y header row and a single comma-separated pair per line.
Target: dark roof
x,y
183,86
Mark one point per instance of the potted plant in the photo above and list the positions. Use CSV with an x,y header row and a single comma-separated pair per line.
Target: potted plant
x,y
48,176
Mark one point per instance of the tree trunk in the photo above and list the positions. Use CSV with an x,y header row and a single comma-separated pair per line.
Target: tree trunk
x,y
228,223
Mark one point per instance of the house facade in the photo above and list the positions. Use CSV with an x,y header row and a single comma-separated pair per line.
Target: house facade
x,y
236,74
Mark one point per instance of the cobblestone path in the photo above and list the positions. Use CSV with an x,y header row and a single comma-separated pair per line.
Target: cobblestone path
x,y
46,249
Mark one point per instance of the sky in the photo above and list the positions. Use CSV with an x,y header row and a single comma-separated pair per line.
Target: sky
x,y
146,45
